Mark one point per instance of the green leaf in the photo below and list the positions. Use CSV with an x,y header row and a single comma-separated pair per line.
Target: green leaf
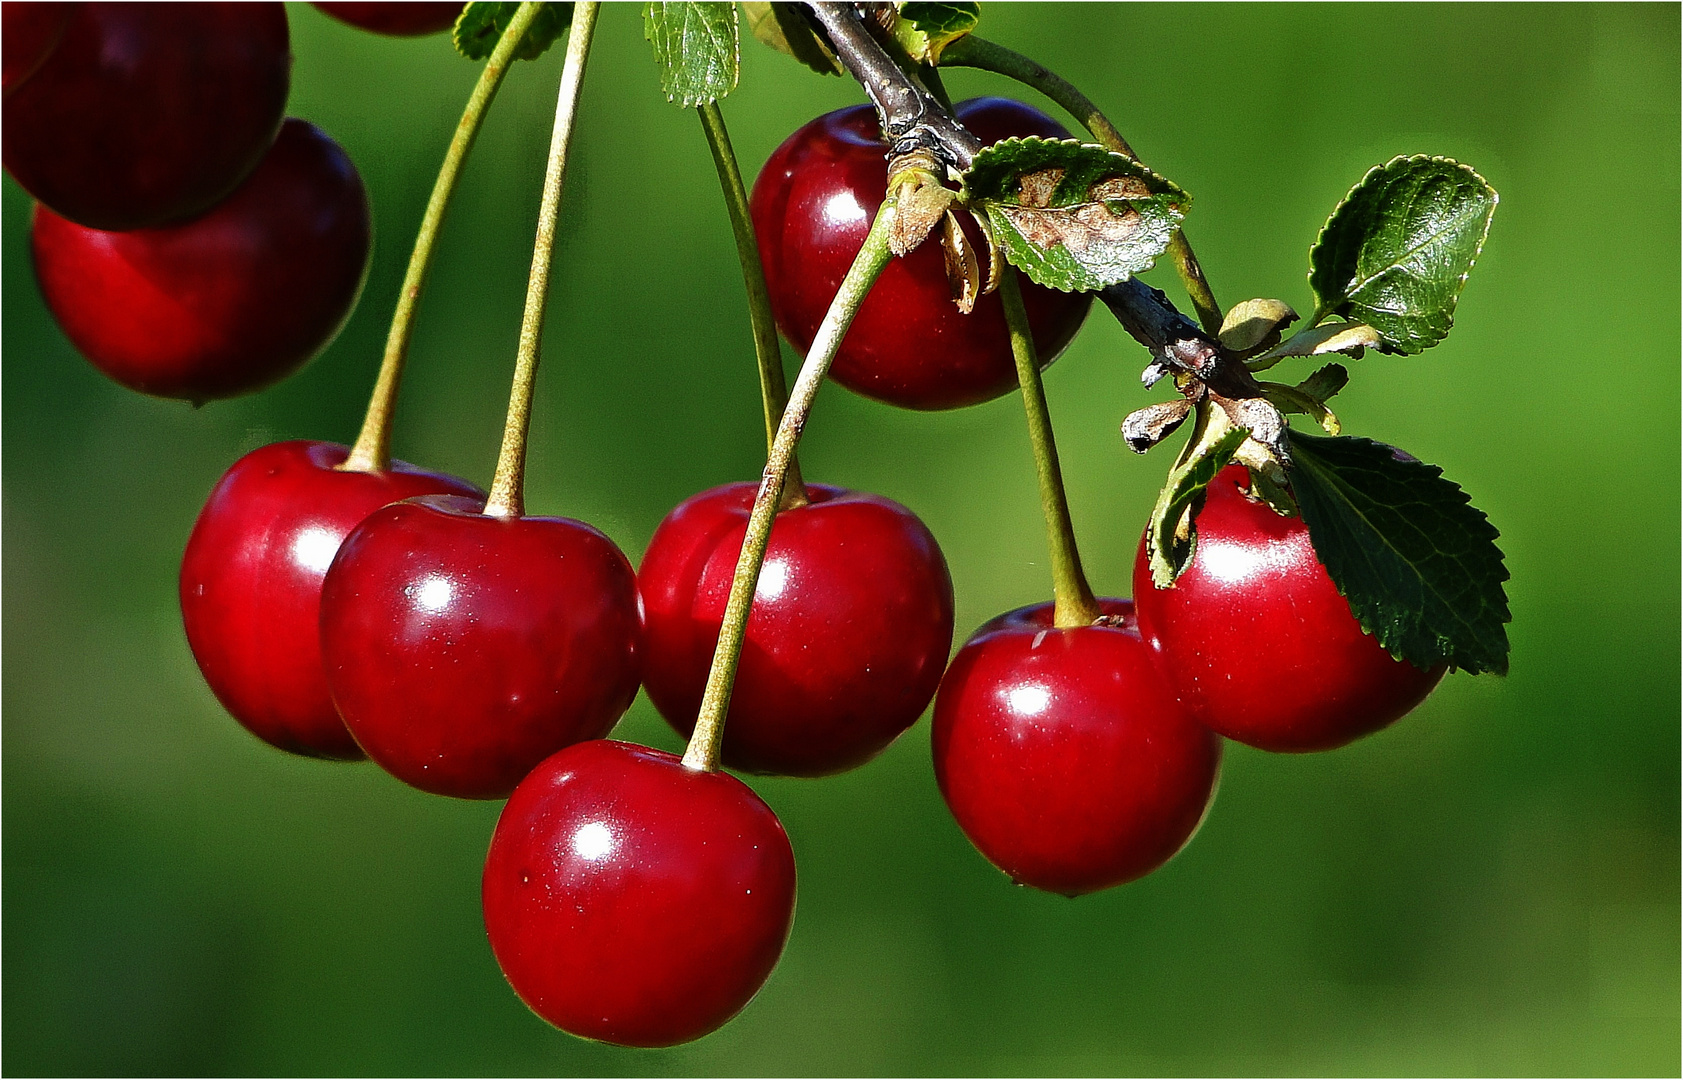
x,y
696,47
1349,338
784,28
924,29
1171,537
1397,251
1073,216
1418,564
481,24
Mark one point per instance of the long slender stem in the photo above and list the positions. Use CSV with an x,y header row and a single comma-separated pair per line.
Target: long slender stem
x,y
703,750
1072,599
774,394
508,484
972,51
372,451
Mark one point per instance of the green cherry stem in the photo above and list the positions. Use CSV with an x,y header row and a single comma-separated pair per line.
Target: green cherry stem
x,y
508,484
972,51
1072,598
372,451
774,393
703,750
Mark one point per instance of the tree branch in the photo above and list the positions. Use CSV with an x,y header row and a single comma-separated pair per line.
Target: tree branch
x,y
911,116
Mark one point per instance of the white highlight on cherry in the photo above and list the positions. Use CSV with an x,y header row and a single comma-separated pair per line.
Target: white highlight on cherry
x,y
1227,563
774,578
314,548
593,841
1030,700
843,209
435,593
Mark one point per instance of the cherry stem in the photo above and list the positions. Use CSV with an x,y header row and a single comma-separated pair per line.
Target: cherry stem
x,y
975,52
508,484
703,750
372,451
1072,598
774,394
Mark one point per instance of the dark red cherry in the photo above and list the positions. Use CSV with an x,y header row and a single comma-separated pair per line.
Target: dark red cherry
x,y
228,302
28,34
148,113
251,583
464,649
632,900
909,345
849,632
1064,756
396,19
1257,641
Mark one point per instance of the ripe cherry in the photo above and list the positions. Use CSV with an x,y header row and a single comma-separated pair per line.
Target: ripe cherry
x,y
396,19
251,583
225,303
909,345
633,900
462,649
149,113
1064,756
1257,641
28,34
850,628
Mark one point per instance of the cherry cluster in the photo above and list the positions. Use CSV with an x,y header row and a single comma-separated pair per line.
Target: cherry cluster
x,y
342,605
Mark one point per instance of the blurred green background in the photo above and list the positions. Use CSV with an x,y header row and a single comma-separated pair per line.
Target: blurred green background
x,y
1491,886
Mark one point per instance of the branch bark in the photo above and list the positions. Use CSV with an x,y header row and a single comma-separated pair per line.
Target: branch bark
x,y
911,116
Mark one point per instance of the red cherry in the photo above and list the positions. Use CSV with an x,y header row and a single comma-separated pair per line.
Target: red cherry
x,y
1064,756
28,34
849,632
148,113
464,649
396,19
251,583
1258,642
633,900
225,303
909,345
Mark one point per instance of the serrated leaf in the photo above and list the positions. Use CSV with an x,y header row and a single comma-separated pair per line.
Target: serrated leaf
x,y
1171,538
696,48
1417,562
1073,216
924,29
1396,252
783,27
481,24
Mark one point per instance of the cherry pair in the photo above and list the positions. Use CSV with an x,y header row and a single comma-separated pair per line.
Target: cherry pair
x,y
189,242
1080,758
462,649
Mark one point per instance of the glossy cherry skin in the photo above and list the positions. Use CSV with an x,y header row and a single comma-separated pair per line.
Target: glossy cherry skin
x,y
850,629
632,900
251,583
464,649
228,302
149,113
1257,641
28,34
396,19
1063,755
909,345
